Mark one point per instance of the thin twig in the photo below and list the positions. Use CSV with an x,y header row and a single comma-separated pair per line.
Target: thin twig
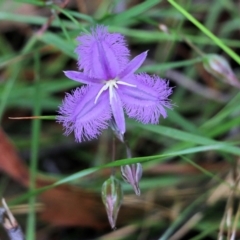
x,y
24,118
236,179
195,87
225,218
50,19
33,117
10,224
188,225
235,223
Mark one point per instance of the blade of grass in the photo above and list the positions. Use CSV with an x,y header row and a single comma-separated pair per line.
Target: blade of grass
x,y
70,14
215,39
159,67
184,215
206,232
33,19
189,137
218,118
192,208
8,88
76,176
34,2
146,36
204,171
133,12
31,221
59,43
65,32
67,14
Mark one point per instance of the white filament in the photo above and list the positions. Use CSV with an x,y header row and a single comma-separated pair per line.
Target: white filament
x,y
111,84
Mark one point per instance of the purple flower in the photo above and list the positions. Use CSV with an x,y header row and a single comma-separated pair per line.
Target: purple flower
x,y
111,87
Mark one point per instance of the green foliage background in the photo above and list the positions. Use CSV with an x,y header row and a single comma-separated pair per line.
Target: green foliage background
x,y
202,129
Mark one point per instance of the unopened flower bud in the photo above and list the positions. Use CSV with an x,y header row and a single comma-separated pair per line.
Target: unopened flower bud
x,y
220,68
112,196
163,28
132,174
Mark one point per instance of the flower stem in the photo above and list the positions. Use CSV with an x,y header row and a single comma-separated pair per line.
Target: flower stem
x,y
113,169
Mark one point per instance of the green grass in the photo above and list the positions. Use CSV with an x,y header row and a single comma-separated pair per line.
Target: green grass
x,y
198,132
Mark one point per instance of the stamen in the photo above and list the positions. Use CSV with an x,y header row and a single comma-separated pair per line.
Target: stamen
x,y
126,84
104,88
111,93
111,84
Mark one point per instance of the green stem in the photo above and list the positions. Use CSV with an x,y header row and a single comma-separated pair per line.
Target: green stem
x,y
31,221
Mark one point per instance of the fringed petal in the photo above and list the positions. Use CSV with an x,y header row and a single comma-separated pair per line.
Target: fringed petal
x,y
114,48
80,114
148,100
107,61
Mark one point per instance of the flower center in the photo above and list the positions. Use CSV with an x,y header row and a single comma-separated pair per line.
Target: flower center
x,y
111,84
